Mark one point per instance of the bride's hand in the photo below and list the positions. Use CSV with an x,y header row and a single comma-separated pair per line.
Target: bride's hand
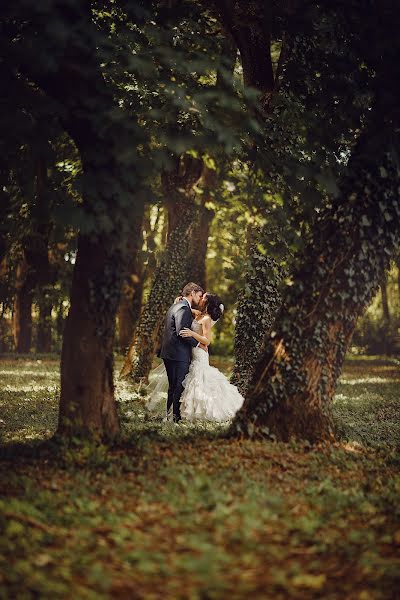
x,y
186,332
177,299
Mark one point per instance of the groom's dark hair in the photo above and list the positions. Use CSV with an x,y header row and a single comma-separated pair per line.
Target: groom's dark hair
x,y
191,287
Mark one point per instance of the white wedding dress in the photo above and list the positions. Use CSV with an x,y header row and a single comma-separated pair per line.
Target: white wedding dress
x,y
207,394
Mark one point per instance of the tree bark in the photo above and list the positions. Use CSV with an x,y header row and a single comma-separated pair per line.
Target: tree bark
x,y
385,301
129,308
196,268
171,273
295,379
386,313
397,261
44,327
249,24
33,268
22,309
257,306
132,288
87,403
199,244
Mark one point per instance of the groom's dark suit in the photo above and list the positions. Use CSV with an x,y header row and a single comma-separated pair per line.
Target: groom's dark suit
x,y
176,352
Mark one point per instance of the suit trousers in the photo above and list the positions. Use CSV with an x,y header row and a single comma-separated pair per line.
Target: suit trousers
x,y
176,372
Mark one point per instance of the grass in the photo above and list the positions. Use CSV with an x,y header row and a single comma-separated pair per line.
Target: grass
x,y
180,512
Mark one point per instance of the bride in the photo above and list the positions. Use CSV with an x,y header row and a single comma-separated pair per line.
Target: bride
x,y
207,394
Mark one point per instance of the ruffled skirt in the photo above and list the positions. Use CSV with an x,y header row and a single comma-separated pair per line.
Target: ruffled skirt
x,y
207,394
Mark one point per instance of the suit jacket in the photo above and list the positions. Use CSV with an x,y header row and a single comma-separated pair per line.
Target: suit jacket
x,y
174,347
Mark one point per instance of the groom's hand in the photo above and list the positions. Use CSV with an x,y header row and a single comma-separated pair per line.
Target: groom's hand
x,y
203,347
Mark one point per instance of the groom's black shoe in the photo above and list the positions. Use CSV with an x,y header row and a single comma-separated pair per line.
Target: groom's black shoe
x,y
177,418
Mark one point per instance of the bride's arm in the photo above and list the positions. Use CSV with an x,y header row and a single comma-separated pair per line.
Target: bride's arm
x,y
203,339
195,312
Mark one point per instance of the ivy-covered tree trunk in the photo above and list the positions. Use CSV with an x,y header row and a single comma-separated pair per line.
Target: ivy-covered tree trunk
x,y
22,309
257,306
132,288
295,379
129,308
171,273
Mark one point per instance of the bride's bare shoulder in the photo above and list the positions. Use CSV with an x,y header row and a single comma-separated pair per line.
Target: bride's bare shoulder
x,y
206,319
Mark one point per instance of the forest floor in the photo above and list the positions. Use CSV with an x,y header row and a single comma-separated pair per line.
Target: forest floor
x,y
177,511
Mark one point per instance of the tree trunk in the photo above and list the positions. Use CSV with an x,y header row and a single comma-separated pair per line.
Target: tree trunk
x,y
295,379
132,288
257,306
397,262
385,302
44,328
22,310
34,266
87,403
198,249
129,309
171,273
101,132
386,313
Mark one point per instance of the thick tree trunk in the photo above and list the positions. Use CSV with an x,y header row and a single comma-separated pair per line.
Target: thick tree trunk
x,y
171,273
87,403
44,327
295,379
22,309
91,116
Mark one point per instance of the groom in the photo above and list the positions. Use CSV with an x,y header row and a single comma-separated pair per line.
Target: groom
x,y
176,351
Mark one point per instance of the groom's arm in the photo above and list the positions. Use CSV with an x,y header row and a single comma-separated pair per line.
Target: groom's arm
x,y
183,318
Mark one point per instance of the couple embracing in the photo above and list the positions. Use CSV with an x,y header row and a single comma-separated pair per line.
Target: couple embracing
x,y
196,391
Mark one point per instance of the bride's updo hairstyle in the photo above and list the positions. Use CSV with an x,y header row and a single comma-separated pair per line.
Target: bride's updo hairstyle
x,y
213,306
